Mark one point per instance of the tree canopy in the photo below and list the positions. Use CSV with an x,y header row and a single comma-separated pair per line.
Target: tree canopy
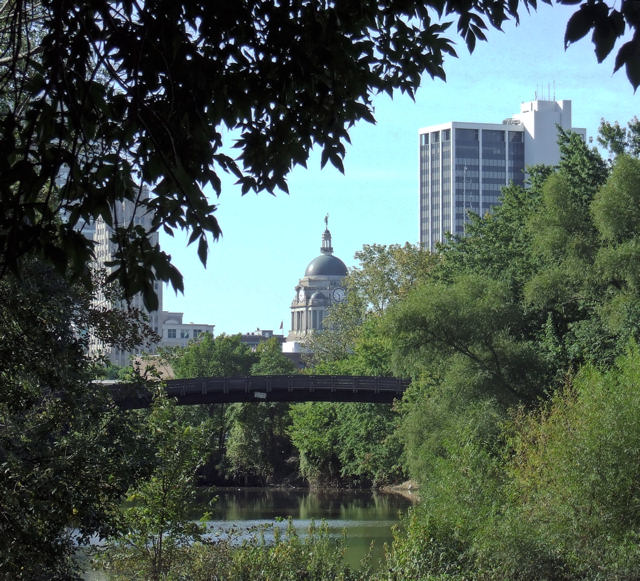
x,y
519,424
67,453
226,355
99,98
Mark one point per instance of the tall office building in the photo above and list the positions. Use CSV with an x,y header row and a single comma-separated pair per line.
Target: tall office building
x,y
464,166
171,330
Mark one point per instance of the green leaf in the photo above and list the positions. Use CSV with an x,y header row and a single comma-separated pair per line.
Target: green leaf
x,y
632,59
202,249
324,157
604,38
578,26
624,54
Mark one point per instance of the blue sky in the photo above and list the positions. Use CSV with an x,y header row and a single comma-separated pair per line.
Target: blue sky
x,y
268,241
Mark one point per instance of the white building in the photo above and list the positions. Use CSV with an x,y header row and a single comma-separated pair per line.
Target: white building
x,y
174,333
168,326
464,166
321,285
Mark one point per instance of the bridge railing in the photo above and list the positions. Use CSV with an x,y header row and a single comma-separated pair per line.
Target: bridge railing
x,y
267,388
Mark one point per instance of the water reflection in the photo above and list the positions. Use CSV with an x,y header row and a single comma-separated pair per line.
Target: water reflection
x,y
363,515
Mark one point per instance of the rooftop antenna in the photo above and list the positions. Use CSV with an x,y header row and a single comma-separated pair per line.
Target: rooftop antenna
x,y
554,90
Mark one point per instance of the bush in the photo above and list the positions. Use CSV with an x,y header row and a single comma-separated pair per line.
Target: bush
x,y
576,476
289,557
157,519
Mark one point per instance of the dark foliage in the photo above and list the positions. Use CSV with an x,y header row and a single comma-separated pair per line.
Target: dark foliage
x,y
98,98
67,455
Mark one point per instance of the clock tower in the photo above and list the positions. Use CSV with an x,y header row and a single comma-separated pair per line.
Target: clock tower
x,y
321,286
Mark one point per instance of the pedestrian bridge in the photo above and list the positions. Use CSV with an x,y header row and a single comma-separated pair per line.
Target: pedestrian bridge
x,y
269,388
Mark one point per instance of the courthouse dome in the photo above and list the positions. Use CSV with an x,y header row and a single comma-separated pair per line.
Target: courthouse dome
x,y
319,288
326,265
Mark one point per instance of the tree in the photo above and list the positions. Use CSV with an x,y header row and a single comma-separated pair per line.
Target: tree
x,y
533,306
498,245
313,433
157,522
67,454
271,360
615,206
473,328
357,441
100,98
574,495
619,140
615,214
384,275
562,226
258,446
563,291
368,447
224,356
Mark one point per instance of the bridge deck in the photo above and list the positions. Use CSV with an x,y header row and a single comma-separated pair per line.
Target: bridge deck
x,y
272,388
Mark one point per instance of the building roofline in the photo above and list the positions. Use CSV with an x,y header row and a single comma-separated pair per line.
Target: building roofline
x,y
470,125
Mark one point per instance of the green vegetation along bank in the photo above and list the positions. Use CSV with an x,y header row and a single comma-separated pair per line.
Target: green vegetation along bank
x,y
520,425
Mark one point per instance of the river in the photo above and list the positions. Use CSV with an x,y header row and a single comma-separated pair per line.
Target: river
x,y
364,516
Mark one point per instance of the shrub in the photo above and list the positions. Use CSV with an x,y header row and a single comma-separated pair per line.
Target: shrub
x,y
576,472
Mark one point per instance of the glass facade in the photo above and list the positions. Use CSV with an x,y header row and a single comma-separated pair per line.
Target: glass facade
x,y
467,174
462,170
515,159
435,186
494,168
424,188
446,180
435,205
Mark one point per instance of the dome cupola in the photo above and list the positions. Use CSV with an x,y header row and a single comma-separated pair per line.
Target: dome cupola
x,y
326,264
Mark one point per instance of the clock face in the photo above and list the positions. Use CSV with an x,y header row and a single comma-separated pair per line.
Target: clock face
x,y
338,295
301,294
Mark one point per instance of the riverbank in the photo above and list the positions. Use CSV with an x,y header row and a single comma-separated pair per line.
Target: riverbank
x,y
408,489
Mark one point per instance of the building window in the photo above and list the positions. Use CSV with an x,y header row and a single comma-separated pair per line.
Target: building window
x,y
184,334
196,333
466,136
171,333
